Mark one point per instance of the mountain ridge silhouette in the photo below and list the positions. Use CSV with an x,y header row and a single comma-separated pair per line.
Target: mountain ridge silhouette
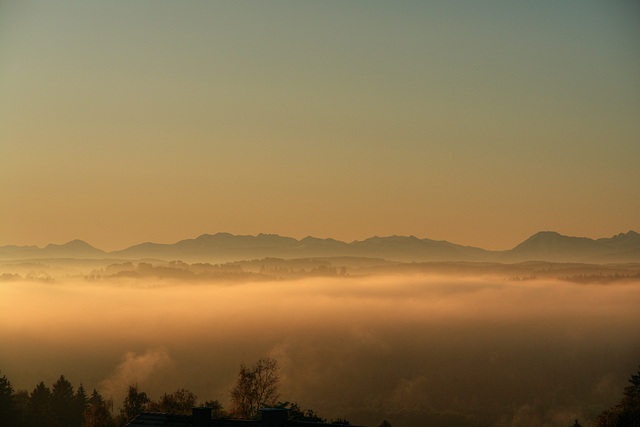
x,y
541,246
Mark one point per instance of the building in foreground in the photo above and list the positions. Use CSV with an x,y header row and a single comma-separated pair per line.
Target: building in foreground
x,y
201,417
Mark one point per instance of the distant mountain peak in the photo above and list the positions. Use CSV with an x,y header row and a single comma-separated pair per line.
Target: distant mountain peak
x,y
547,237
546,234
628,234
75,244
393,238
73,248
553,246
204,236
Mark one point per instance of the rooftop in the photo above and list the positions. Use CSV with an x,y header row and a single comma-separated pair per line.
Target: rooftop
x,y
201,417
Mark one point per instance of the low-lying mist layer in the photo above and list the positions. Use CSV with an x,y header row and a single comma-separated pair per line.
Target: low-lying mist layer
x,y
411,348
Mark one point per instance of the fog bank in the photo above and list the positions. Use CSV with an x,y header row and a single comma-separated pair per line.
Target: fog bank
x,y
409,348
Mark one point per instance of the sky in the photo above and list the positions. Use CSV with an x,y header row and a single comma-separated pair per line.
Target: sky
x,y
479,123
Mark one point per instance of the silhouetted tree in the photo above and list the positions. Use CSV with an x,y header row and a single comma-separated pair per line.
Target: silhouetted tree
x,y
385,423
8,413
40,406
627,412
21,404
135,402
80,404
256,388
98,412
62,403
576,424
180,402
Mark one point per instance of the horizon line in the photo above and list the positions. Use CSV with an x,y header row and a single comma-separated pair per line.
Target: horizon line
x,y
630,231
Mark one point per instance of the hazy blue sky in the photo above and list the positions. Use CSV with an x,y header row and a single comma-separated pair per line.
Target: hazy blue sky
x,y
478,122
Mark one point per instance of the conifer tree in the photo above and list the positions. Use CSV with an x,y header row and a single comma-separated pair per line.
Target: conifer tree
x,y
62,399
40,406
21,404
8,413
80,404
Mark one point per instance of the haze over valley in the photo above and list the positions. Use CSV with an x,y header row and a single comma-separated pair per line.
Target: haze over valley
x,y
444,342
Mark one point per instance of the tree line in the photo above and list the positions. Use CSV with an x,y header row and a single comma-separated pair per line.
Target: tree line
x,y
62,406
58,406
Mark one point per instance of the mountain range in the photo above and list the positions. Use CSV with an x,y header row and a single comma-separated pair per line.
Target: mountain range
x,y
223,247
